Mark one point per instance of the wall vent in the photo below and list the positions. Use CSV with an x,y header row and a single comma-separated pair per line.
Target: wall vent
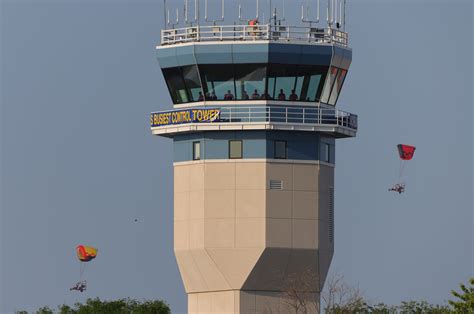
x,y
276,185
331,215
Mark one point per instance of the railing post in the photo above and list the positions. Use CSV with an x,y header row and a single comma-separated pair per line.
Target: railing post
x,y
304,115
249,115
198,35
286,114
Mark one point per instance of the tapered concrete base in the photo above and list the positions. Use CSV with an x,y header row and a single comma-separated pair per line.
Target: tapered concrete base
x,y
237,301
244,245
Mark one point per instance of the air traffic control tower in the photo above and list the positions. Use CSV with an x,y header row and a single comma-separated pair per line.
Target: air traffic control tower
x,y
254,125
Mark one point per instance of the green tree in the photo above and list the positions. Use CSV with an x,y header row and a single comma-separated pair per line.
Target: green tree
x,y
121,306
380,308
339,297
45,310
464,302
422,307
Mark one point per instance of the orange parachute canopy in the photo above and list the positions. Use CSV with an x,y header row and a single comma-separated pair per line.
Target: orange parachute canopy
x,y
86,253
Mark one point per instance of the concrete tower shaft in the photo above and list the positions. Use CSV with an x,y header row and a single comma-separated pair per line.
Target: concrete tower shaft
x,y
242,242
254,126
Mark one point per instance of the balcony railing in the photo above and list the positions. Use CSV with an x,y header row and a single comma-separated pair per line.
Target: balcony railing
x,y
254,32
295,116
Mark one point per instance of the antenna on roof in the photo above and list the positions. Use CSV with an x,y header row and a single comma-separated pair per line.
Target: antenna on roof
x,y
240,12
177,18
269,11
256,15
284,16
196,11
333,13
164,13
329,14
307,19
344,20
214,21
185,12
339,24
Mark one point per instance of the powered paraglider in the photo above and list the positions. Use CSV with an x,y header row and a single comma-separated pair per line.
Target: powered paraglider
x,y
406,153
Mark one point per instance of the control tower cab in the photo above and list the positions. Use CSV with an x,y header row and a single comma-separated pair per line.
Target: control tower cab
x,y
254,125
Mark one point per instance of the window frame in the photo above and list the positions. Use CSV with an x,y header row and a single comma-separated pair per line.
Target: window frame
x,y
196,143
175,75
327,147
275,149
342,84
330,81
241,149
189,74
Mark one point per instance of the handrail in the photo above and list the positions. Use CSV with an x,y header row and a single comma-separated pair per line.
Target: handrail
x,y
275,114
254,32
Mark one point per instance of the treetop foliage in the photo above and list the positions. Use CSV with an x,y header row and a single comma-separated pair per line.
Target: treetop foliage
x,y
464,302
121,306
339,298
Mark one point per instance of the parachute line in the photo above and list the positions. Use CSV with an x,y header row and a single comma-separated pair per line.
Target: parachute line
x,y
82,268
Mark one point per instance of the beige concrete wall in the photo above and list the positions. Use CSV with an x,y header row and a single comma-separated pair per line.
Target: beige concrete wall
x,y
232,232
247,302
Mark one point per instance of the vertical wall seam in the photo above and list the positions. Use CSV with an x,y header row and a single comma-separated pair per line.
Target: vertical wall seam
x,y
235,201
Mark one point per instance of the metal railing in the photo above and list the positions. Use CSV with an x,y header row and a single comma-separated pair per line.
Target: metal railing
x,y
254,32
285,115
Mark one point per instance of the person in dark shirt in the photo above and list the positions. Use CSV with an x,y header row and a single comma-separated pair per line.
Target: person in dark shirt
x,y
201,97
213,96
266,96
282,95
293,96
245,96
228,96
255,95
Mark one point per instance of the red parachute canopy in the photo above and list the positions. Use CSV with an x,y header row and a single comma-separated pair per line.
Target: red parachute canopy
x,y
86,253
406,151
253,22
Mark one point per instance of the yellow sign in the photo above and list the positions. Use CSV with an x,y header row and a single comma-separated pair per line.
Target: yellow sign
x,y
184,116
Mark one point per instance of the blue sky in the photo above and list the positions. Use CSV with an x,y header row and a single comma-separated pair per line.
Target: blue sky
x,y
78,163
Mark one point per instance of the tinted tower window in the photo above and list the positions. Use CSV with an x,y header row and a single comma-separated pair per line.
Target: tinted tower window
x,y
196,150
280,149
235,149
176,87
192,82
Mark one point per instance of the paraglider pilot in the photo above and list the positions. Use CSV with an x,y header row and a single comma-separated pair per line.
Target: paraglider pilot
x,y
79,286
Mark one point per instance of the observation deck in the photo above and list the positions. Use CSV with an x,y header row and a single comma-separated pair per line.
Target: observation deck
x,y
254,77
264,32
339,123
